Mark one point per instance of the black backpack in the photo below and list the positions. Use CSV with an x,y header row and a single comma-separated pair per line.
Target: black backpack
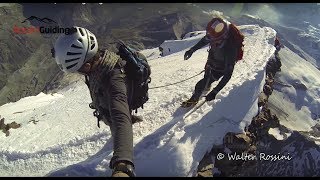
x,y
138,72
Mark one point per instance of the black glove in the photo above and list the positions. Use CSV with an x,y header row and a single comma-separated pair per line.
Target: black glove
x,y
212,95
188,54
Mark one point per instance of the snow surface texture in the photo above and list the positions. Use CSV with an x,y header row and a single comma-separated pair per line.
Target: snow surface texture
x,y
66,141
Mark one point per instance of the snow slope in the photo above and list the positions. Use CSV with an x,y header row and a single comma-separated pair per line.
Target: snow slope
x,y
65,140
312,35
297,92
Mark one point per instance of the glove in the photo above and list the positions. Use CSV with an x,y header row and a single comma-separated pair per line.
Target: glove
x,y
188,54
212,95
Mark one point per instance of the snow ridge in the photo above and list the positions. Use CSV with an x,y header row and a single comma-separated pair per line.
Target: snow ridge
x,y
66,141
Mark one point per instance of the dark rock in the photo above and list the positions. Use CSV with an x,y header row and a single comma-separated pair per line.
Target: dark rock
x,y
14,125
206,171
6,127
237,142
263,99
270,75
269,81
2,125
267,89
7,133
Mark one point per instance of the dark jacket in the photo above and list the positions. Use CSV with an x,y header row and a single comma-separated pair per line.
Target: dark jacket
x,y
108,90
221,60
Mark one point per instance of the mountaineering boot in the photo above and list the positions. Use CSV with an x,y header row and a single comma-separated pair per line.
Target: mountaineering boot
x,y
191,102
122,169
136,119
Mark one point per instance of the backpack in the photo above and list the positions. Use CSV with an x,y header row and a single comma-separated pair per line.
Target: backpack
x,y
238,40
138,72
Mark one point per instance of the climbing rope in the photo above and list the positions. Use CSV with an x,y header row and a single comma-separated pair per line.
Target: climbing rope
x,y
178,81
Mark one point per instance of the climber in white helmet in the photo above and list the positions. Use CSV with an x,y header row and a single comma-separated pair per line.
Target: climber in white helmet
x,y
104,71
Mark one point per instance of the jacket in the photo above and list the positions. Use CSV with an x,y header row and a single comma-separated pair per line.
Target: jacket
x,y
220,60
99,83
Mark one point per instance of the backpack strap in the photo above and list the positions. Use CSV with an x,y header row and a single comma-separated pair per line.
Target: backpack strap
x,y
87,80
96,112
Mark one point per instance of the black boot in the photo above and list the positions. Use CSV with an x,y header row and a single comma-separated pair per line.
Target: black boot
x,y
123,169
136,119
190,102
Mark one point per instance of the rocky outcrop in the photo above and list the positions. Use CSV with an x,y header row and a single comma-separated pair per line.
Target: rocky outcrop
x,y
267,148
6,127
240,150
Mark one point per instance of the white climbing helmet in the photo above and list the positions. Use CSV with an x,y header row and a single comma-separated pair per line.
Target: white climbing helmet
x,y
73,50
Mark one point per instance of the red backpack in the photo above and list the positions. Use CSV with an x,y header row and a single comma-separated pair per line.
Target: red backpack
x,y
238,40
